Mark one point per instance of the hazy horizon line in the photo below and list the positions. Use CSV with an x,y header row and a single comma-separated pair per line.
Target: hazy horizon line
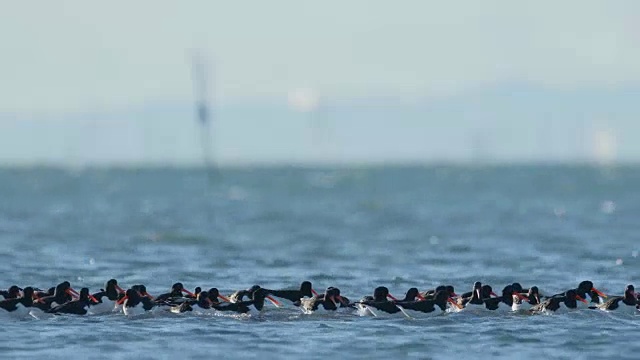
x,y
150,165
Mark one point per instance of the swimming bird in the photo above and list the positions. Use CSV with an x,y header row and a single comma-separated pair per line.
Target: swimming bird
x,y
586,288
505,301
196,291
134,303
176,293
77,307
255,306
305,291
18,307
430,294
525,303
559,303
202,303
37,293
330,302
477,296
12,293
142,290
435,306
379,304
63,293
411,295
627,303
214,294
239,295
107,298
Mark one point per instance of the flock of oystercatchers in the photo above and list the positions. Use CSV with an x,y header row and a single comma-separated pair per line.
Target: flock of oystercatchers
x,y
63,299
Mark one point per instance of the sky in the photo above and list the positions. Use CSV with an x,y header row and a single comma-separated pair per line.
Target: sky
x,y
72,62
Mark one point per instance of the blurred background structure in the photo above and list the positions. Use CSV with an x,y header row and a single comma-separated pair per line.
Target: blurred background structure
x,y
88,83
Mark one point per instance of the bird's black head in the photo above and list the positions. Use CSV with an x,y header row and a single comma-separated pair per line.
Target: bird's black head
x,y
507,294
14,291
306,289
380,293
213,293
63,286
486,291
261,293
534,295
585,287
84,293
197,290
516,287
367,298
64,290
441,299
28,292
411,294
141,289
451,290
258,297
630,293
177,287
440,288
477,285
133,294
203,299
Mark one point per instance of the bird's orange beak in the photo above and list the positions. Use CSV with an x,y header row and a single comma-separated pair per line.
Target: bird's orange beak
x,y
274,301
392,297
578,297
72,292
521,296
454,303
599,293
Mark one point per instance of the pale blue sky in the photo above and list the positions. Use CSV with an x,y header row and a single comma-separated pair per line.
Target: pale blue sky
x,y
67,58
